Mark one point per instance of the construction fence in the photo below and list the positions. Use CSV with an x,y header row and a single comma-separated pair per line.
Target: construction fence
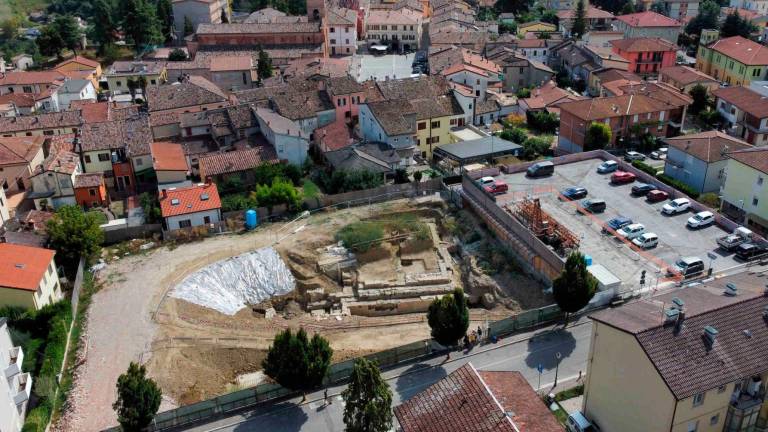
x,y
339,372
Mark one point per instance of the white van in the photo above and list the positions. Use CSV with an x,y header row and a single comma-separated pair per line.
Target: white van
x,y
629,232
646,241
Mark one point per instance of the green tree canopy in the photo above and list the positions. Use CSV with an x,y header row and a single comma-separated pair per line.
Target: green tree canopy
x,y
49,42
264,68
138,399
700,99
296,362
628,8
140,23
579,21
104,28
74,233
69,31
709,11
368,399
598,136
575,286
735,25
177,54
448,317
188,28
165,17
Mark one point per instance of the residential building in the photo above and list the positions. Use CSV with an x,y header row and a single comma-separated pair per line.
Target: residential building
x,y
120,72
198,12
53,180
192,206
91,190
31,82
22,62
272,35
755,5
5,213
521,72
609,75
681,10
73,90
290,142
743,195
581,62
646,55
194,94
341,25
347,95
535,27
468,68
693,357
399,29
469,400
81,64
745,112
699,160
60,123
170,164
391,122
546,98
685,78
19,159
218,167
16,385
597,19
734,60
648,24
601,38
233,72
28,277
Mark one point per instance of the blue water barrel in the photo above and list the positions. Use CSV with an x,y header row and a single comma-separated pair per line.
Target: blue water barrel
x,y
251,219
588,259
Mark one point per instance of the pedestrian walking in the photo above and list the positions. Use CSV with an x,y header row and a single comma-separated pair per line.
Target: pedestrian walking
x,y
479,333
325,397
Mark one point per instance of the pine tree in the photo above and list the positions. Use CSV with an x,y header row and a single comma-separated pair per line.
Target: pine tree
x,y
104,26
700,99
138,399
368,399
264,68
188,29
575,286
580,21
448,317
165,17
296,362
49,42
140,23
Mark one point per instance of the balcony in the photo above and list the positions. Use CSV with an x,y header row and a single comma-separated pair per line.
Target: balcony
x,y
17,359
22,385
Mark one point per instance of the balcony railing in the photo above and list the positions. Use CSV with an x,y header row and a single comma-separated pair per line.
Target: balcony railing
x,y
22,385
17,359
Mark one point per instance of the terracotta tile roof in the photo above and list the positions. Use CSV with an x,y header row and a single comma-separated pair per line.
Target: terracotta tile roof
x,y
61,161
683,358
423,87
233,63
301,105
79,60
470,401
236,161
241,116
31,77
663,92
37,220
391,116
340,16
89,180
343,86
614,74
21,100
64,142
709,146
19,150
280,124
168,156
258,28
643,44
334,136
648,19
309,66
133,134
684,75
547,95
747,14
193,199
164,118
751,102
131,68
613,106
756,158
197,91
22,267
592,13
402,16
742,50
64,119
475,39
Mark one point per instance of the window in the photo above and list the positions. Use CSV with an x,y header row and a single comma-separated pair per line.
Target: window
x,y
759,180
333,41
153,82
92,192
714,419
87,159
333,30
698,399
27,89
435,124
48,132
754,200
139,161
103,157
206,219
186,223
693,426
118,83
635,118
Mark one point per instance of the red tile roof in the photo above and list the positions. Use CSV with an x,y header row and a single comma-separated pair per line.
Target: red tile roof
x,y
643,44
31,77
749,101
472,401
684,75
80,60
168,156
89,180
193,199
21,100
334,136
19,150
22,267
742,50
648,19
592,13
235,161
709,146
756,158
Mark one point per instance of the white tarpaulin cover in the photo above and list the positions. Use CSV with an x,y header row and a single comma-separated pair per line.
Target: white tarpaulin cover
x,y
229,285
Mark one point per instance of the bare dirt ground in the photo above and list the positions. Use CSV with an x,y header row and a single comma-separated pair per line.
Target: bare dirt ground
x,y
194,352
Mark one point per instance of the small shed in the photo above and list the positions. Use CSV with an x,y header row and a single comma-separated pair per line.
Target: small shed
x,y
477,150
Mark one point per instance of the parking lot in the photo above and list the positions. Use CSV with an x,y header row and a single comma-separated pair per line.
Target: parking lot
x,y
675,238
381,67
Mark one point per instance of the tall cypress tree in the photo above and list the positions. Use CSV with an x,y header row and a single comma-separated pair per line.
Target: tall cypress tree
x,y
140,23
138,399
575,286
580,21
103,25
368,399
165,17
448,317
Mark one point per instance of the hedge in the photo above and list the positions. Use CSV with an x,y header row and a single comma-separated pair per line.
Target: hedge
x,y
677,184
642,166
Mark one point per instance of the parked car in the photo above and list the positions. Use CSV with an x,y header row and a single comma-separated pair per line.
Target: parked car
x,y
633,156
420,57
622,177
573,193
701,219
676,206
687,267
642,189
616,224
541,169
607,167
486,181
578,423
629,232
659,154
732,241
594,205
497,187
646,241
751,251
655,196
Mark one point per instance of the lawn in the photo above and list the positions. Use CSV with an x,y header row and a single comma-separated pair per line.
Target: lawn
x,y
100,216
311,190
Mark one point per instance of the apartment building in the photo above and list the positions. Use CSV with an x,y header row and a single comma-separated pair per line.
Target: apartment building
x,y
734,60
15,385
745,112
646,56
648,24
121,72
685,78
28,277
53,180
681,9
19,159
691,359
341,25
30,82
744,194
398,29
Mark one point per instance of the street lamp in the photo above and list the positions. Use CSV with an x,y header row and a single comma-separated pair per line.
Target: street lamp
x,y
557,367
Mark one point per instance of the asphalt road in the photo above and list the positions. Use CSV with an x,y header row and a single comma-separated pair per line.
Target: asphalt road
x,y
522,352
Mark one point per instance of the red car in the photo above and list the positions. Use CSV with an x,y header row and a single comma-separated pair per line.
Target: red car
x,y
655,196
622,177
497,187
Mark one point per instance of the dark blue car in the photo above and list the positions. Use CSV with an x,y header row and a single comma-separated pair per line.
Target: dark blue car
x,y
574,193
617,223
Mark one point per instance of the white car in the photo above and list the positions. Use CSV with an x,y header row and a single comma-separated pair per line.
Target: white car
x,y
630,232
701,219
676,206
633,156
646,240
486,181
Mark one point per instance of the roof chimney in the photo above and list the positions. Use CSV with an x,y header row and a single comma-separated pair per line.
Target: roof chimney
x,y
710,333
165,194
731,290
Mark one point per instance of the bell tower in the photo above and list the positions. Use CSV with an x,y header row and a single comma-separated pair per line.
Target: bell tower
x,y
315,10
